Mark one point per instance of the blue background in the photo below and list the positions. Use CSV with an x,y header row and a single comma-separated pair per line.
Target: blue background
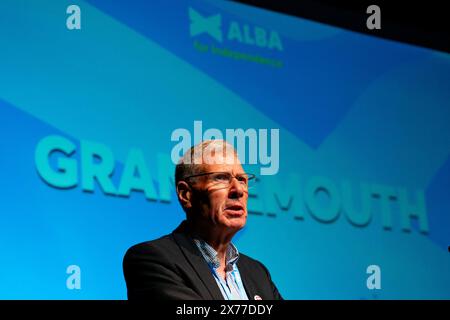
x,y
349,107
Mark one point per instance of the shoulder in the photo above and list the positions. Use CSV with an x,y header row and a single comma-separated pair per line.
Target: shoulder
x,y
154,249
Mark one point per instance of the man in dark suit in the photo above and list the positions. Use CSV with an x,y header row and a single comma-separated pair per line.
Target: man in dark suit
x,y
198,260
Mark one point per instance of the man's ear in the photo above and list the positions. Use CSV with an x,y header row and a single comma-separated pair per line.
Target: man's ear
x,y
184,193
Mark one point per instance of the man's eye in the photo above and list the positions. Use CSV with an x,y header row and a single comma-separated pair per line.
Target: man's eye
x,y
222,177
242,179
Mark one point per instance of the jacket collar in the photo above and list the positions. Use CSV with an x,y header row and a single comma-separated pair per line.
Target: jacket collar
x,y
198,263
246,276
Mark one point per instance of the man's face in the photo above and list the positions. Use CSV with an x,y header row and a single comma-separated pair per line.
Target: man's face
x,y
221,205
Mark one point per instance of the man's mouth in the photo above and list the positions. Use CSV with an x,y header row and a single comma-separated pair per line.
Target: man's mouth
x,y
235,210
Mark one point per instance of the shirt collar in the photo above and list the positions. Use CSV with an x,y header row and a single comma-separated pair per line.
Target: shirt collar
x,y
210,255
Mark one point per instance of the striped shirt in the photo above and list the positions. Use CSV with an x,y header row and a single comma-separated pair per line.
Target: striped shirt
x,y
231,287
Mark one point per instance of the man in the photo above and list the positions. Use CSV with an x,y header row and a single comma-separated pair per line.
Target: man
x,y
198,260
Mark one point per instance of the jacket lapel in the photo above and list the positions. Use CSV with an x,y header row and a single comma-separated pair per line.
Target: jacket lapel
x,y
245,273
198,263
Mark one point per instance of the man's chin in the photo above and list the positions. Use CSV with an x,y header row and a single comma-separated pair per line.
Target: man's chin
x,y
236,222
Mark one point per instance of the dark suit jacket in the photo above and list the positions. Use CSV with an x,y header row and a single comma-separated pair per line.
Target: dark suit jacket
x,y
172,267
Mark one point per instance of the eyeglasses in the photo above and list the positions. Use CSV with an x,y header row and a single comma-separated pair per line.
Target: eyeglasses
x,y
246,180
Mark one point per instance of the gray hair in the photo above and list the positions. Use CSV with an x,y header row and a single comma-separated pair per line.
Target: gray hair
x,y
204,152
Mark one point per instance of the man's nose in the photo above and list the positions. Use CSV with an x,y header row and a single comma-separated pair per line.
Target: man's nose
x,y
236,188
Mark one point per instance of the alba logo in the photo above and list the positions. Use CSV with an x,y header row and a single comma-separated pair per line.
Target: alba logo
x,y
212,25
